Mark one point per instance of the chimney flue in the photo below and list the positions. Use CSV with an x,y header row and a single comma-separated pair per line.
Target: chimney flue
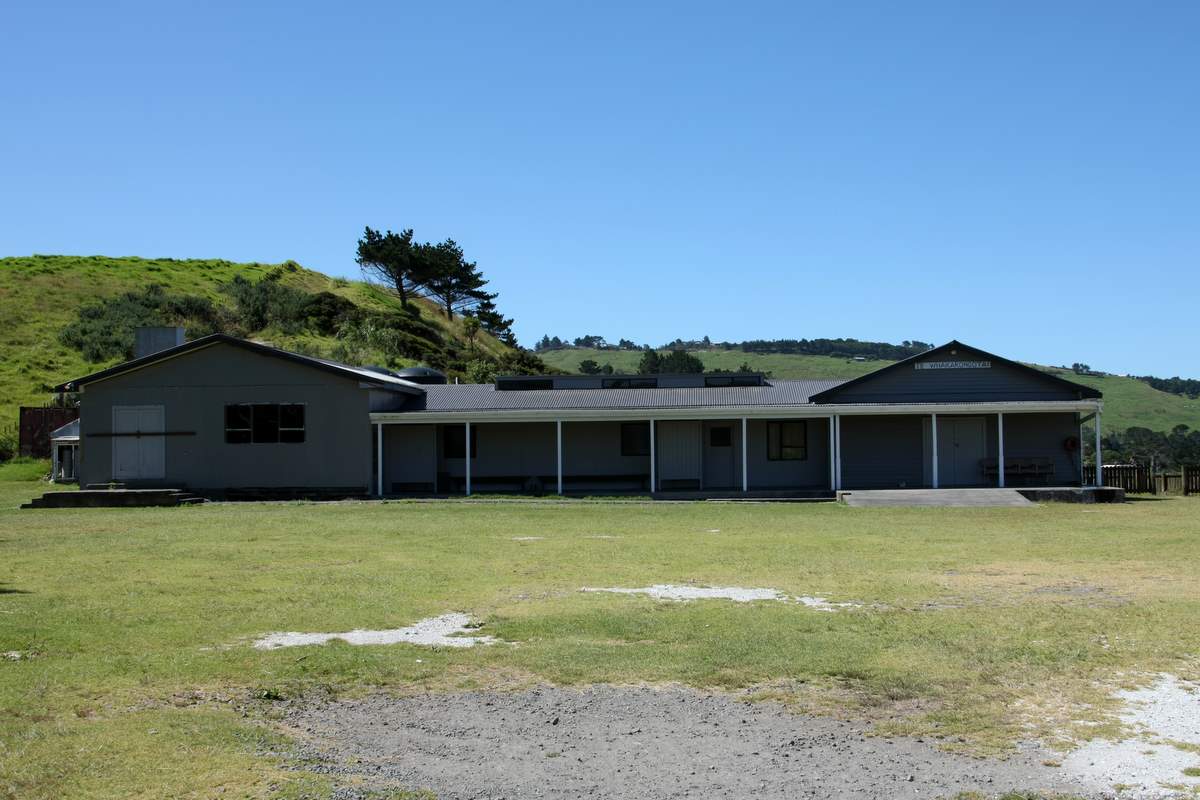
x,y
148,341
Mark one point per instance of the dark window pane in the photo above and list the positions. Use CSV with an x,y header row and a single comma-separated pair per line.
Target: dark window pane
x,y
787,441
291,416
237,416
524,384
237,437
720,437
635,439
266,423
629,383
292,436
454,440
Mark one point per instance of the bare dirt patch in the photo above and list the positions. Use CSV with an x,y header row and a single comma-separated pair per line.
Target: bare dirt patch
x,y
617,742
443,631
1163,753
738,594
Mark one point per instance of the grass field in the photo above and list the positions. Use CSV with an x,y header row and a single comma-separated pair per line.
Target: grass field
x,y
134,677
1127,402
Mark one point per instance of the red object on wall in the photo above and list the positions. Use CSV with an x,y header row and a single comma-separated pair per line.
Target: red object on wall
x,y
37,423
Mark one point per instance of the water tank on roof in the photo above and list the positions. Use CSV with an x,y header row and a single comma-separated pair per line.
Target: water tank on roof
x,y
381,371
426,375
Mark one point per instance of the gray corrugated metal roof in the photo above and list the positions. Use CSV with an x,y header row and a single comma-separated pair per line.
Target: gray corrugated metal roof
x,y
68,431
382,380
485,397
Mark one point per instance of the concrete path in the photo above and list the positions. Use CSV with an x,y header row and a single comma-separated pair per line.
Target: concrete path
x,y
960,498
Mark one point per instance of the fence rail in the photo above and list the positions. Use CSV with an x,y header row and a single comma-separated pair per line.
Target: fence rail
x,y
1140,480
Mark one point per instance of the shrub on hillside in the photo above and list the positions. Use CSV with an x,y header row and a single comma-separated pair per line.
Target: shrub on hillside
x,y
8,443
394,335
325,313
259,304
105,331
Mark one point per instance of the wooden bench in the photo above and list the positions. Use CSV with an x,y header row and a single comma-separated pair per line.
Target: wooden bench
x,y
1037,469
521,483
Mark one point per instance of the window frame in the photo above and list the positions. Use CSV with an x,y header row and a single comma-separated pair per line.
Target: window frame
x,y
629,382
297,435
777,450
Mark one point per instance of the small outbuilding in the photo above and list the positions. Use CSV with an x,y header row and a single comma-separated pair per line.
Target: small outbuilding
x,y
64,453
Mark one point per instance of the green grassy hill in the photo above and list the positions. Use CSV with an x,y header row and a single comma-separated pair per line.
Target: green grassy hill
x,y
1127,401
39,295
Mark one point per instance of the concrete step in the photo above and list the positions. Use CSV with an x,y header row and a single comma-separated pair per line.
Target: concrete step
x,y
950,498
115,498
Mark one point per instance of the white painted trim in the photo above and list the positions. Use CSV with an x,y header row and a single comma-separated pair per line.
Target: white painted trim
x,y
837,449
467,456
730,412
832,458
379,461
745,460
1000,450
1099,457
933,427
558,434
653,460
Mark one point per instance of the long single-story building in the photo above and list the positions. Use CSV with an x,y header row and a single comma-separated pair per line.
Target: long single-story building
x,y
222,416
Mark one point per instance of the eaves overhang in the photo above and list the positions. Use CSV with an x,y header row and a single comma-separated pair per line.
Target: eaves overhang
x,y
811,411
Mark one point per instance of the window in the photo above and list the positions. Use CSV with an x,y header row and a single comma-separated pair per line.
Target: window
x,y
237,424
291,423
635,438
720,437
454,441
787,441
264,423
629,383
524,384
746,379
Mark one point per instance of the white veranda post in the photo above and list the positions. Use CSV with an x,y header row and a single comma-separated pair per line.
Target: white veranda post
x,y
832,458
467,456
653,461
933,428
745,466
379,460
1099,460
837,452
558,434
1000,451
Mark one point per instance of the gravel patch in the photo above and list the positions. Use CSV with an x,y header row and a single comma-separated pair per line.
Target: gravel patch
x,y
440,631
528,538
631,743
1147,765
738,594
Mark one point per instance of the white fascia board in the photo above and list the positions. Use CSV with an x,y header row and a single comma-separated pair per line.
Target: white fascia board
x,y
729,412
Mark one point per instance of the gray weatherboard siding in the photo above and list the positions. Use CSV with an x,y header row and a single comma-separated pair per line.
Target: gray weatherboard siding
x,y
194,390
905,383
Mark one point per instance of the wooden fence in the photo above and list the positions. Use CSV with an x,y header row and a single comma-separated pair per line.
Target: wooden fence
x,y
37,423
1139,480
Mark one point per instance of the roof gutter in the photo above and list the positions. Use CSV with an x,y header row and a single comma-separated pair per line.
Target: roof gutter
x,y
733,412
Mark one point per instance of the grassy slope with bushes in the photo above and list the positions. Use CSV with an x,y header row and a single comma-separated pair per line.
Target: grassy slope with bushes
x,y
40,295
1128,402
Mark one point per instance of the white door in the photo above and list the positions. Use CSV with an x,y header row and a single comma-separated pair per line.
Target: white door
x,y
962,445
138,446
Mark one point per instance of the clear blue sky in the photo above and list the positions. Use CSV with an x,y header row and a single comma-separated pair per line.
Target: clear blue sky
x,y
1021,176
